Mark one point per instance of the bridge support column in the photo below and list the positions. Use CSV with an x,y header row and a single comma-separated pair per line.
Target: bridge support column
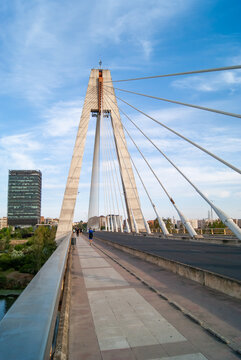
x,y
71,190
93,220
92,104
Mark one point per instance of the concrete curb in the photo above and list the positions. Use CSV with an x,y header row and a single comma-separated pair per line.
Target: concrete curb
x,y
235,347
215,281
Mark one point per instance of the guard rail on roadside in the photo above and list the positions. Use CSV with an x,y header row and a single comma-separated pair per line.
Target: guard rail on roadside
x,y
27,329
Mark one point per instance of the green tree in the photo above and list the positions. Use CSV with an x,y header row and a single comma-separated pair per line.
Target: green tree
x,y
217,224
82,225
43,245
169,224
5,238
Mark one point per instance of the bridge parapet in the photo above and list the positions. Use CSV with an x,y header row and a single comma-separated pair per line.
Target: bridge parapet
x,y
27,329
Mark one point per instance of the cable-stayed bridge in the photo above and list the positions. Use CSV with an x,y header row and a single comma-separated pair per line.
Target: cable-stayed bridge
x,y
117,175
92,299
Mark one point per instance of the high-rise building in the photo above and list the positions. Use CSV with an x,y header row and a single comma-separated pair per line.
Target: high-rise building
x,y
24,197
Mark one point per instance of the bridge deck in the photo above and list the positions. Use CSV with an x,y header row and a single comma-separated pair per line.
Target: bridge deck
x,y
221,259
114,316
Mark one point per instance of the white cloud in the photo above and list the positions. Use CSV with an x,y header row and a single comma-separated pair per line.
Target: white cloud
x,y
135,20
36,61
20,142
147,47
21,161
206,175
41,53
18,150
62,118
230,80
222,194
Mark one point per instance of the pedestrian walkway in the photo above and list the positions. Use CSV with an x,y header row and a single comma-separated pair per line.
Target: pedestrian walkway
x,y
114,316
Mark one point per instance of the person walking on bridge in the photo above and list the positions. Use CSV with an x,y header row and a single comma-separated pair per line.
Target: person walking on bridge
x,y
91,233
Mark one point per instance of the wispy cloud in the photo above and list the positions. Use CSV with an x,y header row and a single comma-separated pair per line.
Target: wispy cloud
x,y
222,194
19,150
62,118
34,61
41,55
135,19
228,80
147,47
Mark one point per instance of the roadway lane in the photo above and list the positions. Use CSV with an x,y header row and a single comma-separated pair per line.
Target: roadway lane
x,y
221,259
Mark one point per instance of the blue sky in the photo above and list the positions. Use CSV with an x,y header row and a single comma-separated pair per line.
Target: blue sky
x,y
47,50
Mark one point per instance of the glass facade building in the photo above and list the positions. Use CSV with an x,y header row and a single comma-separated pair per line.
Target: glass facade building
x,y
24,197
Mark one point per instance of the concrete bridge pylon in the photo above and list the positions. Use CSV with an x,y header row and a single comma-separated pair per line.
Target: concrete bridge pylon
x,y
95,102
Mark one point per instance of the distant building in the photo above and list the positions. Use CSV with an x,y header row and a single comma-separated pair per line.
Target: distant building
x,y
118,219
102,221
202,224
48,221
194,223
3,222
51,221
24,197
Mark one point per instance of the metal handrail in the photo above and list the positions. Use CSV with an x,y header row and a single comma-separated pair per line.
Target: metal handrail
x,y
26,331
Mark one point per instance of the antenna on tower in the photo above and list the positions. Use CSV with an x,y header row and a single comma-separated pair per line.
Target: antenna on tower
x,y
100,63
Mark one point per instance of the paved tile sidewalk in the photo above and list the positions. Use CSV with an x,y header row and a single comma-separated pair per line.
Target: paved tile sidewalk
x,y
110,319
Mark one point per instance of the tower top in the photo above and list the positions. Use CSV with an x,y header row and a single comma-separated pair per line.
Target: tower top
x,y
100,63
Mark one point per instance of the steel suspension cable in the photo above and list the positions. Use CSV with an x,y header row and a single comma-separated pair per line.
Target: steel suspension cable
x,y
235,67
161,223
109,180
116,173
112,172
164,189
223,216
107,227
166,157
133,188
183,137
107,184
113,222
181,103
183,219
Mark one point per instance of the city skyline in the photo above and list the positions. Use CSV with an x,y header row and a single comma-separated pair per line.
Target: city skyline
x,y
45,77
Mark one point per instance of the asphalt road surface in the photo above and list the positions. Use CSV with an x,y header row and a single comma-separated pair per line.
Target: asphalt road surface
x,y
221,259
